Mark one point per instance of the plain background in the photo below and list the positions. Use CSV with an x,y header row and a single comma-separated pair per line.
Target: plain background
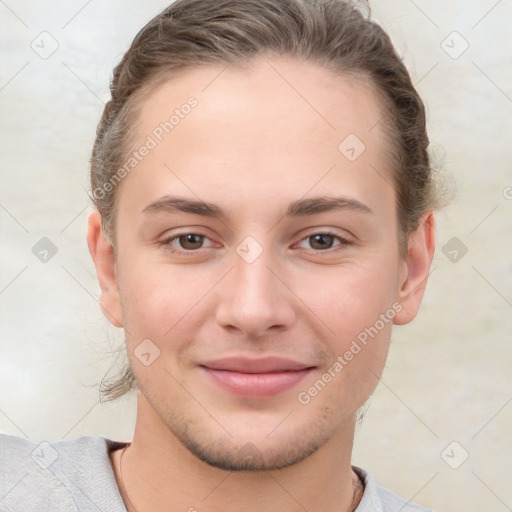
x,y
446,391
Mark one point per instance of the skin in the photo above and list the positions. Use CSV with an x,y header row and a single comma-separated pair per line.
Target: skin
x,y
302,299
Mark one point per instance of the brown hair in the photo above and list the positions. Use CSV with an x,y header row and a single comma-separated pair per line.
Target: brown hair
x,y
335,34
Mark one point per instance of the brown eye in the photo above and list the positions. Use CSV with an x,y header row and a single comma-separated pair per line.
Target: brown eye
x,y
321,241
187,244
324,242
191,241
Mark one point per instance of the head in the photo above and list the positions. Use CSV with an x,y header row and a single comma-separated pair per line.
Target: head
x,y
263,188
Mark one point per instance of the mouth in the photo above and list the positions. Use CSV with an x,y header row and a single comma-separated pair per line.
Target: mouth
x,y
255,378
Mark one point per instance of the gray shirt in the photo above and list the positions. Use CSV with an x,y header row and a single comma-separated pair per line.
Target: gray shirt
x,y
77,476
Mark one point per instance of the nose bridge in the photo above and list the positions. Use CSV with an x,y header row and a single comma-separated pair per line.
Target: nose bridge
x,y
253,299
254,281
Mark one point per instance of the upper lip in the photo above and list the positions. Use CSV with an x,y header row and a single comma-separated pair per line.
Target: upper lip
x,y
268,364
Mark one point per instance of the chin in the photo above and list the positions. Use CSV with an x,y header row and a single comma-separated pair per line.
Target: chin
x,y
250,457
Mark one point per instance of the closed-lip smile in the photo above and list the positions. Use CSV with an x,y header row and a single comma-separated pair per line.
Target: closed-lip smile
x,y
255,377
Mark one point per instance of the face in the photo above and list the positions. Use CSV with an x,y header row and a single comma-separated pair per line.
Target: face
x,y
257,273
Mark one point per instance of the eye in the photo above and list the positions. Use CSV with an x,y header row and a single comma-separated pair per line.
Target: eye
x,y
324,241
185,242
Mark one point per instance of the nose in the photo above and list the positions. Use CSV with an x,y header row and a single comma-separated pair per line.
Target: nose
x,y
254,299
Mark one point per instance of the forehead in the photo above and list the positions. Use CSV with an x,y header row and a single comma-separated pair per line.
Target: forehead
x,y
295,89
276,123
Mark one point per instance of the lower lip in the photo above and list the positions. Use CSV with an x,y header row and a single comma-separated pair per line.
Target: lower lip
x,y
256,385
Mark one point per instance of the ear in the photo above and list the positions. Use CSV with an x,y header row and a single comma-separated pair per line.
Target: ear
x,y
420,251
104,260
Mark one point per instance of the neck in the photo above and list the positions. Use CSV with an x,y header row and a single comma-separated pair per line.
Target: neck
x,y
159,473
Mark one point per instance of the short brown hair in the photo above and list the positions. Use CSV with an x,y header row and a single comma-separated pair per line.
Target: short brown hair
x,y
336,34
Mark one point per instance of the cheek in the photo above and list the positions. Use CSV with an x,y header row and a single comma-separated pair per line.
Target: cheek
x,y
152,307
164,303
351,374
357,305
156,329
349,300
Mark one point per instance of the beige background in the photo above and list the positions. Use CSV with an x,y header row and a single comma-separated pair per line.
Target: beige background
x,y
448,377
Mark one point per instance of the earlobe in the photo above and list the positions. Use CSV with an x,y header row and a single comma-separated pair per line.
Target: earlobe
x,y
103,256
420,252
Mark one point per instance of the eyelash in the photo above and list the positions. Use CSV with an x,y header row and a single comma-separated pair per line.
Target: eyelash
x,y
167,243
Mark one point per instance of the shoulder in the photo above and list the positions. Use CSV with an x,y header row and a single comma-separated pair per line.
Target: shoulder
x,y
71,475
379,499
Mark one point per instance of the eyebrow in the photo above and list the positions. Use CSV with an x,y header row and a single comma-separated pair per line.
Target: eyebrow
x,y
298,208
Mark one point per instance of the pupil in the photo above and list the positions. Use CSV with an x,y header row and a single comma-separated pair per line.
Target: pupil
x,y
192,239
322,240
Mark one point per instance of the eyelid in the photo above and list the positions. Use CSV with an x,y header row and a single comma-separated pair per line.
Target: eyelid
x,y
329,232
319,230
